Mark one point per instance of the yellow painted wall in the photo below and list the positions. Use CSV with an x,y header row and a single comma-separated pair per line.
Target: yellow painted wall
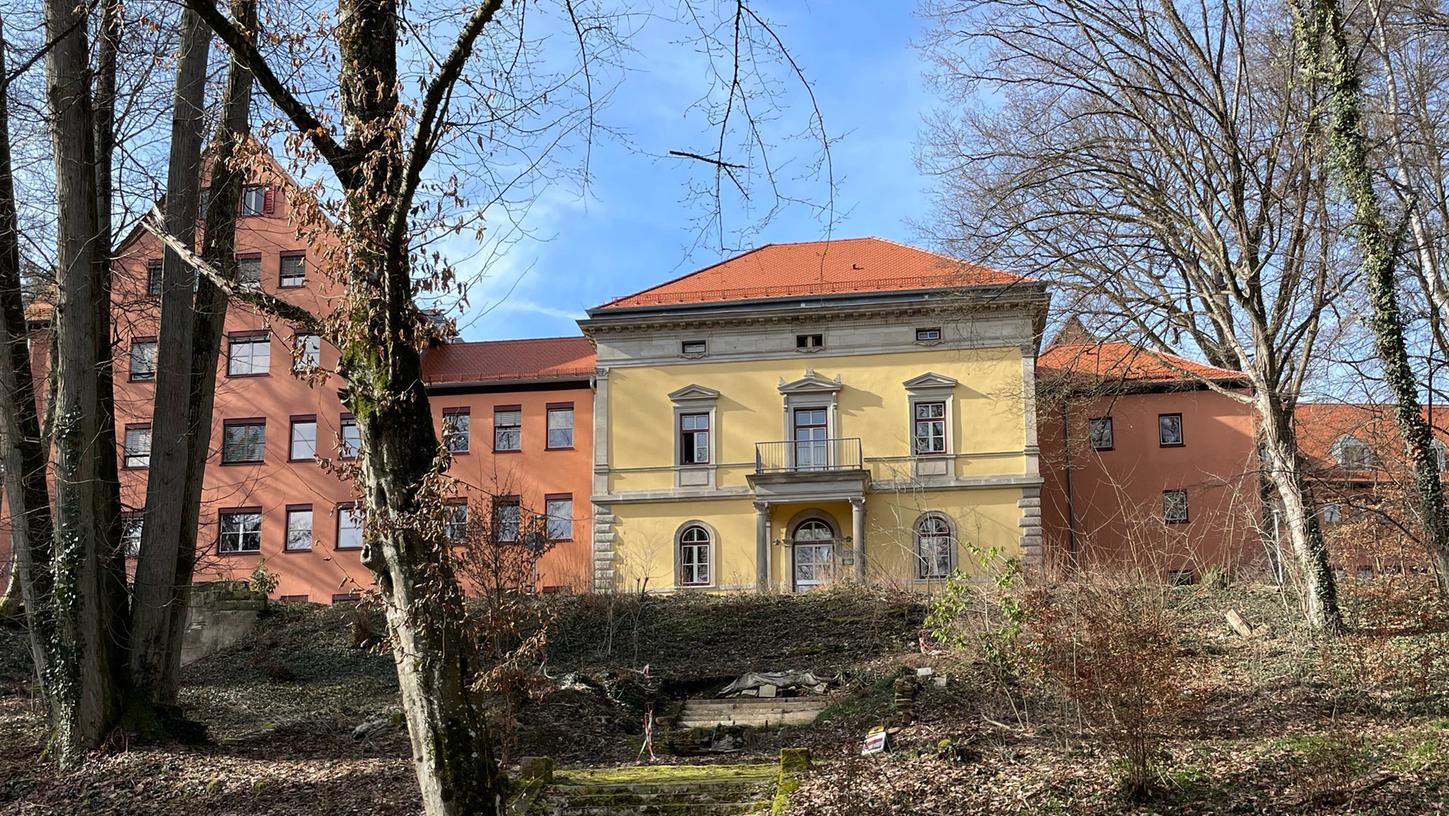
x,y
988,422
645,534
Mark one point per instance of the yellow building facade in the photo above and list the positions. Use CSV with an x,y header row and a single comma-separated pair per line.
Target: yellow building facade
x,y
809,414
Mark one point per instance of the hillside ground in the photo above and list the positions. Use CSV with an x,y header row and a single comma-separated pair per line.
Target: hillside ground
x,y
1275,723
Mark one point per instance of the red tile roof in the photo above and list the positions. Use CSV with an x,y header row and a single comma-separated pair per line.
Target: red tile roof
x,y
1125,362
548,358
1320,425
840,266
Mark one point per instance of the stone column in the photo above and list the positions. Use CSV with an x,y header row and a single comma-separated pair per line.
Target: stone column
x,y
762,546
857,535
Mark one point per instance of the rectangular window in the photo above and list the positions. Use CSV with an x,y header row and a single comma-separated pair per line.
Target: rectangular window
x,y
137,446
1099,433
293,271
929,335
508,515
351,437
350,520
560,521
809,342
1174,506
243,441
299,528
694,439
132,526
249,355
930,427
1169,430
143,359
254,200
249,270
153,277
306,352
507,429
560,426
457,427
302,446
455,522
692,348
1332,514
241,531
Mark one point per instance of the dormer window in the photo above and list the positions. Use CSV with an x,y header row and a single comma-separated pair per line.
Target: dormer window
x,y
692,348
809,342
1352,454
929,335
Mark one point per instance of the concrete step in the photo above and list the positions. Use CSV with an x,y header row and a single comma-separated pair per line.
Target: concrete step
x,y
767,704
756,713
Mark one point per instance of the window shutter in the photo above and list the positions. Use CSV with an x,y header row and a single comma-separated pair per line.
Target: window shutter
x,y
269,201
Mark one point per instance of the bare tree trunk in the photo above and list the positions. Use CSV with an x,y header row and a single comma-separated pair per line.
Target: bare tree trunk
x,y
84,671
22,450
1280,461
1322,36
436,659
158,581
218,248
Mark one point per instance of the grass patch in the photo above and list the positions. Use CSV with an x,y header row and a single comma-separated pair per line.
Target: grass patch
x,y
665,774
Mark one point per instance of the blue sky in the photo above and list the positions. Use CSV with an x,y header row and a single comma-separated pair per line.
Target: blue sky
x,y
636,226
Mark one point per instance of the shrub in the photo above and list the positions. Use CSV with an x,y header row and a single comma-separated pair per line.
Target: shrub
x,y
1109,645
980,619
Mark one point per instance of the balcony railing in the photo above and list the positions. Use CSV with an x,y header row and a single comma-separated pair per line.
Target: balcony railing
x,y
808,456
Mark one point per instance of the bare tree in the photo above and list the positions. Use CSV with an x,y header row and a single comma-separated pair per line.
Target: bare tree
x,y
378,141
156,586
78,592
1323,35
1157,163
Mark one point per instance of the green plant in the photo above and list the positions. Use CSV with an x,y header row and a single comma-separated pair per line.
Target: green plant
x,y
982,620
263,581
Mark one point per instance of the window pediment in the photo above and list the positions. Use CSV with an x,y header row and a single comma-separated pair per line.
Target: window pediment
x,y
811,383
930,381
693,393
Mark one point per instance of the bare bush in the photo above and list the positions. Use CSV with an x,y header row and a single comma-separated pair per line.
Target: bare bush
x,y
1108,644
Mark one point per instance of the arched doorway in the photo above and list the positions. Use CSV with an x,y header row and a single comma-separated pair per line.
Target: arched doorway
x,y
812,546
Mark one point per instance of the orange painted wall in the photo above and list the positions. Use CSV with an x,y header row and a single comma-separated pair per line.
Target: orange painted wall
x,y
277,483
1116,495
535,472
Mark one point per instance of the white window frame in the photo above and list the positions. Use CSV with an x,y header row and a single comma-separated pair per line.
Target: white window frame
x,y
239,535
703,552
257,361
946,539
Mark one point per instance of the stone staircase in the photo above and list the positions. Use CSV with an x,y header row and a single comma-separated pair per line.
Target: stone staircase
x,y
753,712
659,790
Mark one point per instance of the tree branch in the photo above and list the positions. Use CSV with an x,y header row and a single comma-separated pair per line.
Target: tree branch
x,y
155,223
438,91
244,49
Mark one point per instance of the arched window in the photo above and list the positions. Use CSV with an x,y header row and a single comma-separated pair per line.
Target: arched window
x,y
1352,454
694,556
934,550
813,554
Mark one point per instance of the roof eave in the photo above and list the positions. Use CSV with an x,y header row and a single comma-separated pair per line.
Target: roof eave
x,y
609,313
